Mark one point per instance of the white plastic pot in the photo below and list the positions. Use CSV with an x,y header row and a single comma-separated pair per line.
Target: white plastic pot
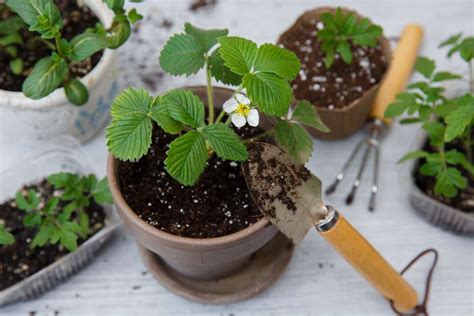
x,y
54,115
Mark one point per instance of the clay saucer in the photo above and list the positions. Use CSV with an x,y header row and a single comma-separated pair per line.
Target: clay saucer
x,y
263,268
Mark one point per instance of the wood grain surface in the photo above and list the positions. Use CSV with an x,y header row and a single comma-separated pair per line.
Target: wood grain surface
x,y
317,281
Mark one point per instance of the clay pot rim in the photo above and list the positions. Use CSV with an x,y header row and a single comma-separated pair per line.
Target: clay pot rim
x,y
383,41
184,241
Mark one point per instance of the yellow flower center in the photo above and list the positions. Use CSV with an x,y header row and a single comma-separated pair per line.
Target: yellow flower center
x,y
243,109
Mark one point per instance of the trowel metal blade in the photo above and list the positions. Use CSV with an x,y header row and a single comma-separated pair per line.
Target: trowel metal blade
x,y
289,195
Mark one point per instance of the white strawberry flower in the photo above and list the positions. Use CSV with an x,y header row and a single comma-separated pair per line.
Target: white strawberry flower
x,y
240,111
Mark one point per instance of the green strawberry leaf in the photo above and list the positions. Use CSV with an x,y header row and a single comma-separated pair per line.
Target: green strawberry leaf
x,y
185,107
221,72
182,55
277,60
239,54
187,157
225,142
161,115
295,140
206,38
129,133
306,114
271,93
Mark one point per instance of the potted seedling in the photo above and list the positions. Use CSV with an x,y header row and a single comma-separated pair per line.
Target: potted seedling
x,y
58,69
442,169
174,162
344,57
49,230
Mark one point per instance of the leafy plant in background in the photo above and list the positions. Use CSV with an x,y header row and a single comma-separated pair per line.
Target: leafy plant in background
x,y
49,73
263,72
340,30
62,218
445,120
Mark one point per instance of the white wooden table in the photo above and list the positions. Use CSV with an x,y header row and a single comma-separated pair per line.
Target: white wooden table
x,y
317,281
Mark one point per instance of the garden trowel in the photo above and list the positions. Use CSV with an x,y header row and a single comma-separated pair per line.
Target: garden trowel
x,y
290,197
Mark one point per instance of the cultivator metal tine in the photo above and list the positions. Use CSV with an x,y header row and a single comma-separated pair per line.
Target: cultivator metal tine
x,y
375,178
360,173
345,168
370,143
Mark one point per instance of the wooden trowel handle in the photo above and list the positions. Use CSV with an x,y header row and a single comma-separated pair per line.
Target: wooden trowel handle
x,y
367,261
399,71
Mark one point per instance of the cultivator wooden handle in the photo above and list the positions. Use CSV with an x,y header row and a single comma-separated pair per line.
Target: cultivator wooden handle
x,y
399,71
367,261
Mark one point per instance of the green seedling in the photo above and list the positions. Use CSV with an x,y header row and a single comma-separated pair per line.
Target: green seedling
x,y
43,17
340,29
444,120
62,218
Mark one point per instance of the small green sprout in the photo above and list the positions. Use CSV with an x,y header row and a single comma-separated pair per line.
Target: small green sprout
x,y
62,218
444,120
264,72
48,74
6,238
340,30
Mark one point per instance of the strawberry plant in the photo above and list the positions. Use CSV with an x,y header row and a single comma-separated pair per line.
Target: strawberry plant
x,y
260,75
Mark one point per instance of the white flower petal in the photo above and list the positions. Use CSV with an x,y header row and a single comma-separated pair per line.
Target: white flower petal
x,y
242,99
253,117
238,120
230,105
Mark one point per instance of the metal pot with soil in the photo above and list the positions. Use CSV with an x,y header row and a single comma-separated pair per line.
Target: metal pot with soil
x,y
28,267
210,231
452,214
343,93
53,114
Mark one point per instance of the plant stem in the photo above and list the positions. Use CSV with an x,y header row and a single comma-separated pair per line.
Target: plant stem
x,y
468,145
220,116
57,38
260,136
210,95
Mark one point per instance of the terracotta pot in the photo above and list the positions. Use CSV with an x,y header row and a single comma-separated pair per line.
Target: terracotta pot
x,y
437,213
202,259
345,121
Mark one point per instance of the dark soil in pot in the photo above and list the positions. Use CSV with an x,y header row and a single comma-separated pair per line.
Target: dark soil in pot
x,y
464,201
342,83
76,20
218,205
19,261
